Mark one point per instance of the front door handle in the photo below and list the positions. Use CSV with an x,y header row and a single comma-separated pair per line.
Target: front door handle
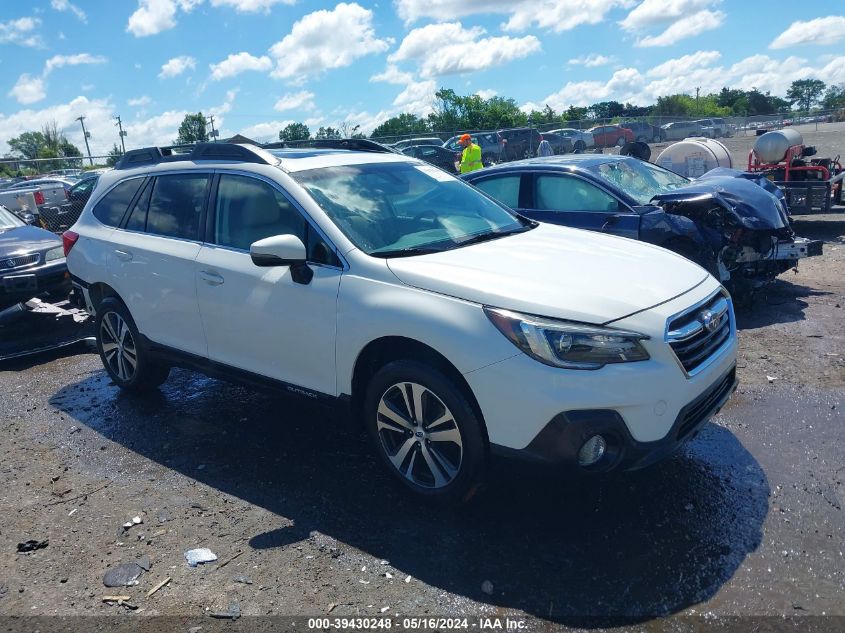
x,y
123,255
212,279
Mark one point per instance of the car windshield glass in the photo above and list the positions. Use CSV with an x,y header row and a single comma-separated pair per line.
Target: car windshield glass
x,y
640,180
9,220
401,209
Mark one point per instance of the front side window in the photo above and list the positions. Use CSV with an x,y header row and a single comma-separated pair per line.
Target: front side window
x,y
568,193
248,210
504,188
396,209
176,205
113,205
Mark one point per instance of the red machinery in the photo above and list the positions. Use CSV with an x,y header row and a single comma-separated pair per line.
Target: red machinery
x,y
810,185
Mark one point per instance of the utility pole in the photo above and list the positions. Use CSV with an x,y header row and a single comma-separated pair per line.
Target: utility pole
x,y
122,133
214,133
697,90
86,136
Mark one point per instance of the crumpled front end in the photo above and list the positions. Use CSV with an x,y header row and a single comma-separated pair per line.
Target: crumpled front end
x,y
733,226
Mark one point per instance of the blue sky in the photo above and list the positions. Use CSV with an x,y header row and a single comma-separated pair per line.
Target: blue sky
x,y
259,64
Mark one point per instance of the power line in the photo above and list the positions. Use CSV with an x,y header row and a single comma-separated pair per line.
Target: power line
x,y
86,136
122,132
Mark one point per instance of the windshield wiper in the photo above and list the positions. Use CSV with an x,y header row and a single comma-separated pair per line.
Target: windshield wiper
x,y
492,235
406,252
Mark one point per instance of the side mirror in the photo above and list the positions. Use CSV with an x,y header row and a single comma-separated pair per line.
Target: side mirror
x,y
283,250
278,250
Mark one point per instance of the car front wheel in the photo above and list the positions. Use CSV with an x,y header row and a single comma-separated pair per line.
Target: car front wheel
x,y
620,141
126,361
425,432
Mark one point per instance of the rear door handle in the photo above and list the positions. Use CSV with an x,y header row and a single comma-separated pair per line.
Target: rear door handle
x,y
212,279
123,255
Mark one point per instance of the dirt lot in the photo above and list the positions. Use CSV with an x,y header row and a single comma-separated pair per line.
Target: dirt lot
x,y
747,521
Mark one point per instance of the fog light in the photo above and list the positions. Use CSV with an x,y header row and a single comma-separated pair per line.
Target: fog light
x,y
592,450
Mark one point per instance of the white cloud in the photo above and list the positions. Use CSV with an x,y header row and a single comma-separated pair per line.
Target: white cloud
x,y
28,89
593,60
417,98
323,40
250,6
685,74
21,31
154,16
685,64
689,26
139,102
59,61
658,12
176,66
237,63
98,121
449,48
392,75
486,94
65,5
303,100
265,132
821,31
556,15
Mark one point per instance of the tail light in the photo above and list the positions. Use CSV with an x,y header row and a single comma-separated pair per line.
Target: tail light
x,y
67,194
69,238
39,198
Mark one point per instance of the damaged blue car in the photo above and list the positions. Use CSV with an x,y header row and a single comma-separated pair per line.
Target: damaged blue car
x,y
733,224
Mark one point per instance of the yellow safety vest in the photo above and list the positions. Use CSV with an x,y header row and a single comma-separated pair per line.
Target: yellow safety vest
x,y
471,158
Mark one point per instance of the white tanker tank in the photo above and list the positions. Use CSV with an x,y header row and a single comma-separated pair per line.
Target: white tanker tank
x,y
771,147
694,157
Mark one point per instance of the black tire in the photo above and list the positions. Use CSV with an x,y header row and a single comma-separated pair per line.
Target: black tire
x,y
148,373
620,141
580,146
406,443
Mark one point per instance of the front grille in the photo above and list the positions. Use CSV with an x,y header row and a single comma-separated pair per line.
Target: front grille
x,y
698,333
694,413
17,262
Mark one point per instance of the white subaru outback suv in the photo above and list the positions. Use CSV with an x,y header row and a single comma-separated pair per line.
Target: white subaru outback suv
x,y
452,327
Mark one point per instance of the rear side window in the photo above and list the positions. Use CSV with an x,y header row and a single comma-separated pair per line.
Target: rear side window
x,y
176,205
113,205
505,189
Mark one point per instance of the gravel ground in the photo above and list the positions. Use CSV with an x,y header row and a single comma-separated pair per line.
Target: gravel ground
x,y
747,521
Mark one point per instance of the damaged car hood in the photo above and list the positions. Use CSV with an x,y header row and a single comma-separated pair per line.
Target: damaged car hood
x,y
750,203
556,272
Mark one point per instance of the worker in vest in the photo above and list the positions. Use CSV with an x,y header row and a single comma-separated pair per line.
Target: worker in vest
x,y
471,156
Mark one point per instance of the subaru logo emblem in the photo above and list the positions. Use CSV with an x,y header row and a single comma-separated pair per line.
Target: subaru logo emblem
x,y
710,321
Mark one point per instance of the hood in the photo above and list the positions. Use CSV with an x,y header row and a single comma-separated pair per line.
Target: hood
x,y
557,272
753,206
26,239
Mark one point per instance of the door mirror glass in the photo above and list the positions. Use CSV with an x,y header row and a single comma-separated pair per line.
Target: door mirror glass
x,y
278,250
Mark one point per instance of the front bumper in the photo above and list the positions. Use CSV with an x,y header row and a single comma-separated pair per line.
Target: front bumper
x,y
560,440
26,283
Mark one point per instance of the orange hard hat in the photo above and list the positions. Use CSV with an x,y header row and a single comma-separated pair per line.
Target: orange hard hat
x,y
466,138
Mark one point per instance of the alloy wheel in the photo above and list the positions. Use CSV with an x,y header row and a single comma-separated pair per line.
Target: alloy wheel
x,y
419,435
118,345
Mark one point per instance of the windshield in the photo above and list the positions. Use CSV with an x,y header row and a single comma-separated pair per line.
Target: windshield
x,y
640,180
9,220
396,209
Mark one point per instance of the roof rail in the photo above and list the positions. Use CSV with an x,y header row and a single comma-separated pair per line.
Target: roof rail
x,y
352,144
199,151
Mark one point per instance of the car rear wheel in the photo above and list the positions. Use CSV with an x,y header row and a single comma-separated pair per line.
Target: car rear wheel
x,y
124,357
425,432
580,146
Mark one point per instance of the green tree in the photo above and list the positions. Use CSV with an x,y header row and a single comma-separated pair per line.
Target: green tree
x,y
405,124
607,109
114,155
27,145
805,93
295,132
192,130
327,132
574,113
834,97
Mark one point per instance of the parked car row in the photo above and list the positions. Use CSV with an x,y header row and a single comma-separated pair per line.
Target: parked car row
x,y
452,326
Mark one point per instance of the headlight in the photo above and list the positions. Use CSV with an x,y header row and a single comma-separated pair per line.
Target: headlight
x,y
55,253
568,344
